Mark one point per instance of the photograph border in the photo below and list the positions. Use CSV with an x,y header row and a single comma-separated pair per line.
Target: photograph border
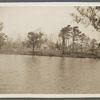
x,y
96,3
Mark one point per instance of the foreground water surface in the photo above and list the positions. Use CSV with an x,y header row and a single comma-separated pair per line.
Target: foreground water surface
x,y
48,75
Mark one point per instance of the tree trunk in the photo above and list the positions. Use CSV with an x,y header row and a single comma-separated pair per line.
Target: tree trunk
x,y
23,50
81,50
73,44
33,48
92,49
66,46
63,44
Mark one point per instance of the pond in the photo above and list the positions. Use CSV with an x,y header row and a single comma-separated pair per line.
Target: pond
x,y
24,74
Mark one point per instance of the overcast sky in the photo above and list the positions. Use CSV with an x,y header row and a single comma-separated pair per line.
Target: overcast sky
x,y
21,20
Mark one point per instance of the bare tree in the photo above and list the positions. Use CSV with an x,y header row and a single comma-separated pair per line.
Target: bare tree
x,y
3,36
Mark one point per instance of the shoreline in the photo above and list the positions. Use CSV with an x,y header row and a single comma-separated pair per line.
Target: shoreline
x,y
69,55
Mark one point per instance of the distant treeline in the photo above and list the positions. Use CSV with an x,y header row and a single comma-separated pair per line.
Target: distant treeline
x,y
71,40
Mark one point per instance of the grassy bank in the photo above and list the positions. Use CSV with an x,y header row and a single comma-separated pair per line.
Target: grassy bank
x,y
56,53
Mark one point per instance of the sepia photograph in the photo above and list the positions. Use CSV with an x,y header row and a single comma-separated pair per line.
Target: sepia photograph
x,y
49,48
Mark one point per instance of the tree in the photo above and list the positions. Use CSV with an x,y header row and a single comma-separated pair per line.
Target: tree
x,y
24,44
88,16
64,34
93,43
35,38
57,45
75,35
3,37
1,26
82,40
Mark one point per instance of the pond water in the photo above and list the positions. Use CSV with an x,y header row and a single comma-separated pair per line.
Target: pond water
x,y
23,74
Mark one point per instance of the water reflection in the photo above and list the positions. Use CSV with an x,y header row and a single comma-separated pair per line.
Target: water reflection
x,y
52,75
